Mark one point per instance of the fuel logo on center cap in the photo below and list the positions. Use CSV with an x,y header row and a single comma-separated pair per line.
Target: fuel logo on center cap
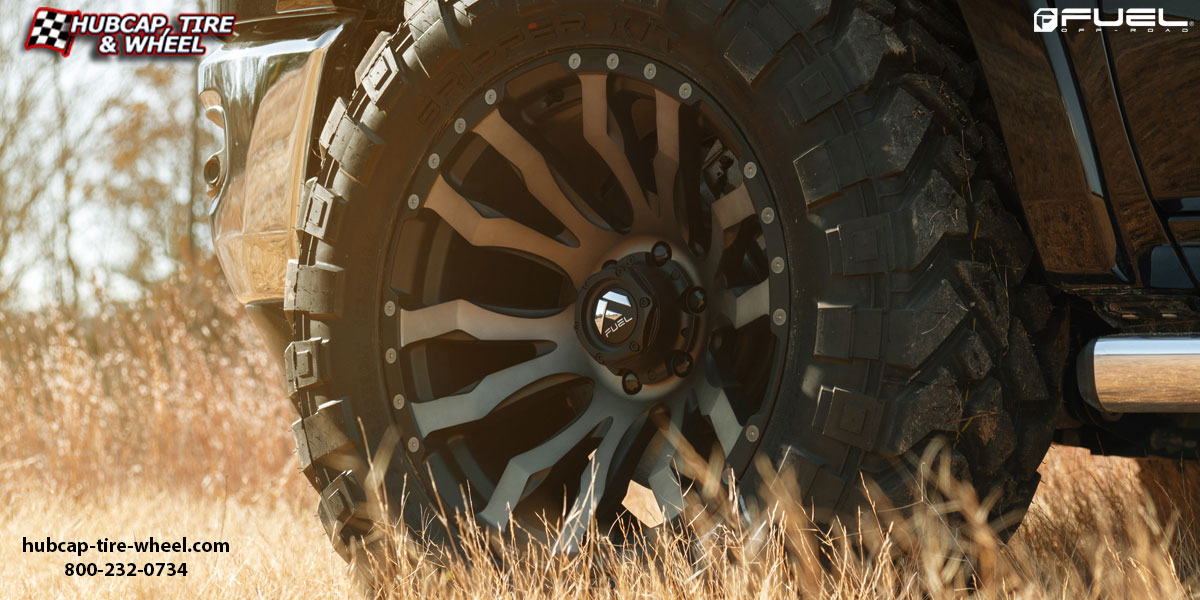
x,y
615,315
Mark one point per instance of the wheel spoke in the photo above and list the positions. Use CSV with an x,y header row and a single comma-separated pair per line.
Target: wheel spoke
x,y
752,304
666,160
483,324
521,469
597,130
663,479
714,404
503,232
727,211
539,178
450,411
592,485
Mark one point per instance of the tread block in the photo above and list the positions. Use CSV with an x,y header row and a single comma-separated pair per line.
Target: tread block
x,y
341,503
829,167
954,160
804,14
861,246
1022,371
798,462
816,88
306,364
384,77
987,297
321,214
848,416
336,114
775,30
933,406
950,109
817,179
936,211
890,141
312,288
321,434
862,47
990,438
360,71
914,334
973,359
847,332
937,58
998,237
749,54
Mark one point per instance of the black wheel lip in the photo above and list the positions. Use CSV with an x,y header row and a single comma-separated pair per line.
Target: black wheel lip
x,y
593,59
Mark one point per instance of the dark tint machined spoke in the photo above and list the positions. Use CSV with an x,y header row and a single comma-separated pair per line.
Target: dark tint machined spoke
x,y
540,180
504,233
605,137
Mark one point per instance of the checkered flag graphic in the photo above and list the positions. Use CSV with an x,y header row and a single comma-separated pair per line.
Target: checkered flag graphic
x,y
51,29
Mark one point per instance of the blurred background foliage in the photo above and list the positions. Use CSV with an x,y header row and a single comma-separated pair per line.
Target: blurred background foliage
x,y
99,198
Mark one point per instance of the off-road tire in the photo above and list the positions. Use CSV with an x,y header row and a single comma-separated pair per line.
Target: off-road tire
x,y
911,315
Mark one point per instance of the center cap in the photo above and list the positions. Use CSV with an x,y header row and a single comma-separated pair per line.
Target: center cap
x,y
633,317
615,314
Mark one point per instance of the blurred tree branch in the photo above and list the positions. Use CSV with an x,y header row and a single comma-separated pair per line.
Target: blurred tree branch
x,y
98,171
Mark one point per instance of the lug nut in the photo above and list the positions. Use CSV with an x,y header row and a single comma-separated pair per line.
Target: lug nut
x,y
695,299
716,341
681,364
630,383
660,253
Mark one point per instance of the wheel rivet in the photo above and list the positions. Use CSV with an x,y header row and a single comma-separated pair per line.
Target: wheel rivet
x,y
398,401
661,253
414,201
574,61
777,264
613,61
460,125
630,383
390,355
490,96
750,170
768,215
696,300
413,444
681,364
389,308
434,161
685,91
779,316
752,433
650,71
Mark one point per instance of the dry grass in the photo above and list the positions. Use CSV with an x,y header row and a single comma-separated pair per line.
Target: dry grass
x,y
166,419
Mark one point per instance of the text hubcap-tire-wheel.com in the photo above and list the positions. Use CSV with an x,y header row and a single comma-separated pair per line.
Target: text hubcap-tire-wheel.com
x,y
588,259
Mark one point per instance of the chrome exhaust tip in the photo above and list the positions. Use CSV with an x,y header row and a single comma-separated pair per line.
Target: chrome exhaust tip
x,y
1139,374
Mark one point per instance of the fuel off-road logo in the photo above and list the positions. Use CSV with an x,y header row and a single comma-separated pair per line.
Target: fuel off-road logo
x,y
130,34
1148,20
614,312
